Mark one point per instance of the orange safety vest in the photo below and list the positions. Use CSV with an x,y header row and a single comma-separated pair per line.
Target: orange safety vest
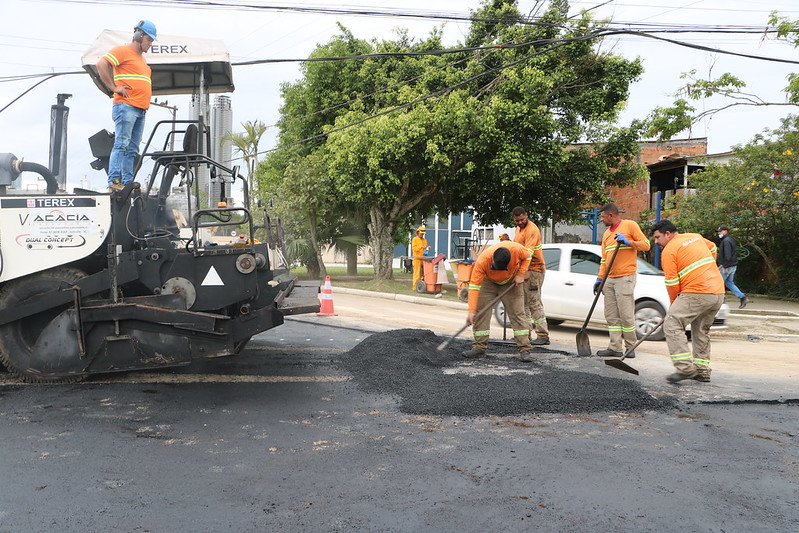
x,y
689,263
519,264
530,237
131,69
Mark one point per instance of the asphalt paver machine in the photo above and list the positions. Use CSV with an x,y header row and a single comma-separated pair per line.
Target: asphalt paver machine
x,y
95,282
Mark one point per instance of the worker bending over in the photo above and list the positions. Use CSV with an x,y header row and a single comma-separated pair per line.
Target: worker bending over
x,y
696,290
498,266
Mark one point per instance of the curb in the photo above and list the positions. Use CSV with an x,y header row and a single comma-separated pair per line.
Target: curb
x,y
764,313
404,298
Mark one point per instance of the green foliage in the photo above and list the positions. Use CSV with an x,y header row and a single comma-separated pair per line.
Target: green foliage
x,y
666,122
757,195
488,130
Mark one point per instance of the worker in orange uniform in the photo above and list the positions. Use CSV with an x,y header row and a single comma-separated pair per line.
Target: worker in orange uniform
x,y
696,291
529,236
419,249
503,263
620,285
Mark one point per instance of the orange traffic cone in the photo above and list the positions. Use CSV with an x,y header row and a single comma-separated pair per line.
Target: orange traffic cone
x,y
327,300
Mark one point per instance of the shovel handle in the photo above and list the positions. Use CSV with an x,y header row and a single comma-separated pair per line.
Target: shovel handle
x,y
601,285
646,336
477,315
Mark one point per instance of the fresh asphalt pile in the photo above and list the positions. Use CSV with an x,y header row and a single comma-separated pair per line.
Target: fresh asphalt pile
x,y
405,363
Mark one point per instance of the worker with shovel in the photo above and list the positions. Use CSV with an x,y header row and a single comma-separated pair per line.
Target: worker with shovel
x,y
696,290
625,239
498,274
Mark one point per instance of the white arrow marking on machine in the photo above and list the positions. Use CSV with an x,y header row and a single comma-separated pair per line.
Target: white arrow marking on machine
x,y
212,278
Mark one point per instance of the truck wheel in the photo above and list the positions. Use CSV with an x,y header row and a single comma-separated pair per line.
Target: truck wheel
x,y
18,338
647,316
499,313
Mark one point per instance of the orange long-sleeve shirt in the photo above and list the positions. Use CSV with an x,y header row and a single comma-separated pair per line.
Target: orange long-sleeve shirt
x,y
519,264
625,263
530,238
689,263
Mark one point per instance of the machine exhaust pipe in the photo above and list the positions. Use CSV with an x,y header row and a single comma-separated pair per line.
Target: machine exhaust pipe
x,y
43,171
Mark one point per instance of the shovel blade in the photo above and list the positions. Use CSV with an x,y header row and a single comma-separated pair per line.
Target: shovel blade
x,y
621,365
583,344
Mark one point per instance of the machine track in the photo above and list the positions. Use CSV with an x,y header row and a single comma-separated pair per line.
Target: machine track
x,y
18,338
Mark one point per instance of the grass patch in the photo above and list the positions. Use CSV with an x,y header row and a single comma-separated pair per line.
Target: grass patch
x,y
364,280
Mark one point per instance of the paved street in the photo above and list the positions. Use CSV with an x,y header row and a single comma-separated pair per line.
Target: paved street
x,y
284,438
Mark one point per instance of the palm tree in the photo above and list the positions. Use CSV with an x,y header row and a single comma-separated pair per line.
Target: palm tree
x,y
246,144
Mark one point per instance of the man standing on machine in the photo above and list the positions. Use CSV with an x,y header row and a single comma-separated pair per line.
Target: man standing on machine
x,y
529,236
125,73
620,285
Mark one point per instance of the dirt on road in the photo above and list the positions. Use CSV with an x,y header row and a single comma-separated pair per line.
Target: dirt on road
x,y
752,346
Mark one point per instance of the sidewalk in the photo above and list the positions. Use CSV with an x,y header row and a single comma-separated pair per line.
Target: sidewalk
x,y
763,317
763,305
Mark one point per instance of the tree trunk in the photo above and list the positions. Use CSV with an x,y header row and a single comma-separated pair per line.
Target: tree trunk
x,y
315,243
381,238
352,260
767,260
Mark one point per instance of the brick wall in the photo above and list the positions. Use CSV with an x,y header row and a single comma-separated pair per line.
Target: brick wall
x,y
633,200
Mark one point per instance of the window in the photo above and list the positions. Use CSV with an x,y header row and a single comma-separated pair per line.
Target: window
x,y
552,258
583,262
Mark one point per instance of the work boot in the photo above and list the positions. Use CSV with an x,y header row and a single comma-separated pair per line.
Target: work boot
x,y
474,354
607,352
704,378
540,341
675,377
744,301
526,357
630,355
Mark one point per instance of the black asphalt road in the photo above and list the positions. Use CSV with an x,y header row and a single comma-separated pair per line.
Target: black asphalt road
x,y
316,428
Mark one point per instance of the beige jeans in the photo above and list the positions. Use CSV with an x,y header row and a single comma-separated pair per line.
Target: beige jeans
x,y
533,306
620,311
514,310
698,310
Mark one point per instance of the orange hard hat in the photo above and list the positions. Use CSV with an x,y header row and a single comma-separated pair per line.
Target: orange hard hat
x,y
420,229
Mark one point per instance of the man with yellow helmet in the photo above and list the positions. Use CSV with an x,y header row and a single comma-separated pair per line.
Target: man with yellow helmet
x,y
419,249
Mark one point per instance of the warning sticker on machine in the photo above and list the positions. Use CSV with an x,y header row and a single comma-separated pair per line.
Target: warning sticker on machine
x,y
48,243
16,203
46,231
56,222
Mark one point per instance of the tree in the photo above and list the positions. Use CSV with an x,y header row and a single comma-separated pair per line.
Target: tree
x,y
486,129
757,195
666,122
247,144
499,133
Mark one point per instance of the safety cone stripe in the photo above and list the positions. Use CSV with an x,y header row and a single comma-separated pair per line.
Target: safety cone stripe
x,y
326,309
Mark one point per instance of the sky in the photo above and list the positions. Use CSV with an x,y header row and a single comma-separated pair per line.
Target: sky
x,y
50,36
